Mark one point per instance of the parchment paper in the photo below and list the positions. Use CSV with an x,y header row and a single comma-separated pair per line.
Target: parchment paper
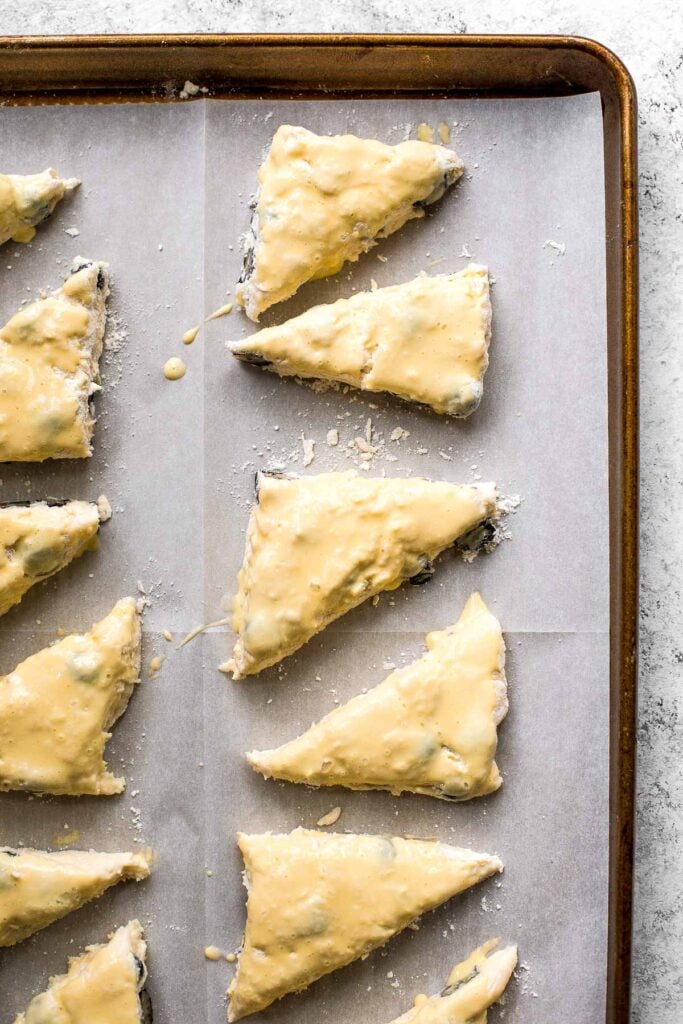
x,y
164,200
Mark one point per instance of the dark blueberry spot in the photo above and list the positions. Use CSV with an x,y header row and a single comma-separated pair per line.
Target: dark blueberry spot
x,y
252,357
146,1015
426,572
77,267
481,538
101,280
10,853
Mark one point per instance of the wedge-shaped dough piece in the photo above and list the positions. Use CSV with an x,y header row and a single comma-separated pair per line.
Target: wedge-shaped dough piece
x,y
319,546
426,341
37,540
318,900
37,888
57,706
472,987
429,728
325,199
105,985
49,370
27,199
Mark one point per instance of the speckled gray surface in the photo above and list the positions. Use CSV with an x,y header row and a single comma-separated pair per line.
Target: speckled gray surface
x,y
648,36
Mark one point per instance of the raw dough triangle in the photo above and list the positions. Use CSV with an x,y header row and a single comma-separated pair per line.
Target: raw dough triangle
x,y
472,987
325,199
27,199
105,985
319,900
37,888
318,546
429,728
425,341
49,369
57,706
38,540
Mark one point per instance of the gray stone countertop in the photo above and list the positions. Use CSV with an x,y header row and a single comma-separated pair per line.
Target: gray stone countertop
x,y
648,36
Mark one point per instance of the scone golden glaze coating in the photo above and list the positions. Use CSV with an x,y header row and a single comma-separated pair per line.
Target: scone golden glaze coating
x,y
49,370
429,728
28,199
57,706
472,987
325,199
37,540
317,901
37,887
425,341
105,985
319,546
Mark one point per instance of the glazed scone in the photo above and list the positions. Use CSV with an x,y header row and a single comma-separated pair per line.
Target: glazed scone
x,y
429,728
472,987
49,369
105,985
28,199
37,540
323,200
318,546
56,708
319,900
37,887
425,341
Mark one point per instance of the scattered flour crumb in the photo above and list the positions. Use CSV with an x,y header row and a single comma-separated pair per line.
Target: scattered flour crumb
x,y
331,818
332,438
559,247
309,449
73,232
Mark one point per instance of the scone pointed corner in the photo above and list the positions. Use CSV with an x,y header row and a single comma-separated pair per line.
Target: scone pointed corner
x,y
323,200
40,539
429,728
317,901
42,887
107,981
28,199
472,987
87,678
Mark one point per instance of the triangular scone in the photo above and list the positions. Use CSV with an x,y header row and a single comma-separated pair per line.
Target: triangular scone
x,y
318,546
27,199
426,341
429,728
105,985
318,900
57,706
49,370
37,540
325,199
472,987
37,888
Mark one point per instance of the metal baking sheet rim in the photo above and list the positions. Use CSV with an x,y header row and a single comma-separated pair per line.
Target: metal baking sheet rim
x,y
80,68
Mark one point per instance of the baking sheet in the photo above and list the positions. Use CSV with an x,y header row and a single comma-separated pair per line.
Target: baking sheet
x,y
164,200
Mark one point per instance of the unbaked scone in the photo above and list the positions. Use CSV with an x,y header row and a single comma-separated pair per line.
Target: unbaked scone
x,y
37,887
105,985
472,987
49,369
429,728
39,539
318,546
56,708
28,199
323,200
425,341
319,900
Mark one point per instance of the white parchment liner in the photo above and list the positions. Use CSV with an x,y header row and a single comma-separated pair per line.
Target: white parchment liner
x,y
164,200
